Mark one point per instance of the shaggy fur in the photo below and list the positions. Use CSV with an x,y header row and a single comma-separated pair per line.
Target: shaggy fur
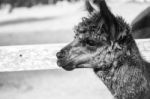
x,y
104,42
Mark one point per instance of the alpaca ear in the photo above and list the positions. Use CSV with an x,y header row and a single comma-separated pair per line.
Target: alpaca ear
x,y
107,19
91,6
110,20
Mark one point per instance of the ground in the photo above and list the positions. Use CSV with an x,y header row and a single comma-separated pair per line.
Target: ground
x,y
52,84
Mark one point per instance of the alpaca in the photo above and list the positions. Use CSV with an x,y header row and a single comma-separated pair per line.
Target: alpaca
x,y
104,43
141,25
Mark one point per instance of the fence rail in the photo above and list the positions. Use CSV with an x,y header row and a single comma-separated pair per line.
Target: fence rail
x,y
37,57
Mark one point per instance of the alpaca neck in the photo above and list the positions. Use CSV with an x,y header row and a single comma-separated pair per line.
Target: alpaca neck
x,y
128,80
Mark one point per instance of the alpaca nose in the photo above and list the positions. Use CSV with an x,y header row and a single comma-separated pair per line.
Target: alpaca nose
x,y
60,54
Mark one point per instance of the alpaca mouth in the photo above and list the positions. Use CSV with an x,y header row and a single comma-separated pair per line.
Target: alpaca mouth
x,y
69,66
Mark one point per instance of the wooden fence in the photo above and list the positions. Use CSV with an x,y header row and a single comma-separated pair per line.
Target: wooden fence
x,y
37,57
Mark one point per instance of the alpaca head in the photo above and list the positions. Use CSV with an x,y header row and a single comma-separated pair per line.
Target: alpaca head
x,y
99,39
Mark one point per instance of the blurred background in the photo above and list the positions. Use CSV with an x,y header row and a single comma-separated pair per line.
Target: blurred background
x,y
52,21
25,22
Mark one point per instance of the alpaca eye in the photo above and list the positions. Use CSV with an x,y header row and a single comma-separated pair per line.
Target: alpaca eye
x,y
90,43
94,1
